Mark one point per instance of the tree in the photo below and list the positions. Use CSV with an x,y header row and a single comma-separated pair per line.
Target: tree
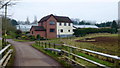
x,y
4,3
18,33
82,23
7,25
114,26
35,20
75,21
14,22
38,37
105,24
27,21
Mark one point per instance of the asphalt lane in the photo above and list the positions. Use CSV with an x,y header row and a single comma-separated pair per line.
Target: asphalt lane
x,y
28,56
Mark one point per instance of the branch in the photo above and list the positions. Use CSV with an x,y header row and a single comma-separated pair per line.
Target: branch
x,y
5,4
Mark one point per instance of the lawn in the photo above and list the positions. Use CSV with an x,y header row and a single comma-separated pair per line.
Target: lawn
x,y
107,44
53,55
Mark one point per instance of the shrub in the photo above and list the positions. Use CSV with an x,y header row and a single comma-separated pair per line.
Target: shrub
x,y
84,31
32,38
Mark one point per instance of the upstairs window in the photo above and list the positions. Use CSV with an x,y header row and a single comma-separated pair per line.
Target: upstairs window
x,y
60,23
69,24
52,23
65,24
52,30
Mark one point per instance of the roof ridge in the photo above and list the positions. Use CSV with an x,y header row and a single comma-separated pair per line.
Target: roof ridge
x,y
58,18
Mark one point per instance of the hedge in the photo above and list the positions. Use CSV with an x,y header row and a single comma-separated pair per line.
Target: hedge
x,y
84,31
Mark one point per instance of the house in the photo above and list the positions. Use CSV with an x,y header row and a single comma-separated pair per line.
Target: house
x,y
85,26
52,26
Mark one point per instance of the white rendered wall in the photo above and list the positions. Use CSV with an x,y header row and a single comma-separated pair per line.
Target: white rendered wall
x,y
65,29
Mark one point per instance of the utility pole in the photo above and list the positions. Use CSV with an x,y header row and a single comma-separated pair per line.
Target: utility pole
x,y
5,22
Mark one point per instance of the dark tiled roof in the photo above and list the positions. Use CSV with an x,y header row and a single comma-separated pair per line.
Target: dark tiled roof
x,y
38,28
58,18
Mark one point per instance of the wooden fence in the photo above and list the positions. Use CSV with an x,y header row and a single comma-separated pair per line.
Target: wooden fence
x,y
71,50
6,53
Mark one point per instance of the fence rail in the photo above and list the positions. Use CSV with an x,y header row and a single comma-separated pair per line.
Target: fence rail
x,y
98,53
116,59
101,65
4,60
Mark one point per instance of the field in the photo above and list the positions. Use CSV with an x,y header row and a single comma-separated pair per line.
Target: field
x,y
102,42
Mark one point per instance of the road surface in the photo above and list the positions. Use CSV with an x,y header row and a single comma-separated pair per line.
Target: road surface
x,y
28,56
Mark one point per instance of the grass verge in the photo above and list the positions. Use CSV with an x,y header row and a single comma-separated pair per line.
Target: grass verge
x,y
96,59
11,61
54,56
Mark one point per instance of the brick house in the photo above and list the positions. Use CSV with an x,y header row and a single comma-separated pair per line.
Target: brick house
x,y
52,26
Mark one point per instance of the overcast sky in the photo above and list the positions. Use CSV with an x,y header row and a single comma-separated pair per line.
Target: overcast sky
x,y
93,10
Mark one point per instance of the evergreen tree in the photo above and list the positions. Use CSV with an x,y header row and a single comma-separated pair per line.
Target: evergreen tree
x,y
14,22
114,26
82,23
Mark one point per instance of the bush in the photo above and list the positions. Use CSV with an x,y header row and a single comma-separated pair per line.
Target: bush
x,y
84,31
32,38
39,37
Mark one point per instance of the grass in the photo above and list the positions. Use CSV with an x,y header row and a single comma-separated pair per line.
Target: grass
x,y
86,63
54,56
8,37
106,47
11,61
89,57
56,41
96,59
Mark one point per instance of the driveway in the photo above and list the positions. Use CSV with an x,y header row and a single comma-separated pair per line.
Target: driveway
x,y
28,56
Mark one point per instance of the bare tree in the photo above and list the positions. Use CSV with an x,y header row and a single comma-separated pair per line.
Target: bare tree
x,y
35,20
4,5
27,21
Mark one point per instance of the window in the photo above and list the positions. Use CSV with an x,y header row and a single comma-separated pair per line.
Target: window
x,y
32,32
64,24
52,22
69,24
52,30
61,30
68,30
60,23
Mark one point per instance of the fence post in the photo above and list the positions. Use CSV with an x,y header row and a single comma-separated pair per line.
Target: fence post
x,y
42,44
54,45
49,45
45,45
116,63
39,43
